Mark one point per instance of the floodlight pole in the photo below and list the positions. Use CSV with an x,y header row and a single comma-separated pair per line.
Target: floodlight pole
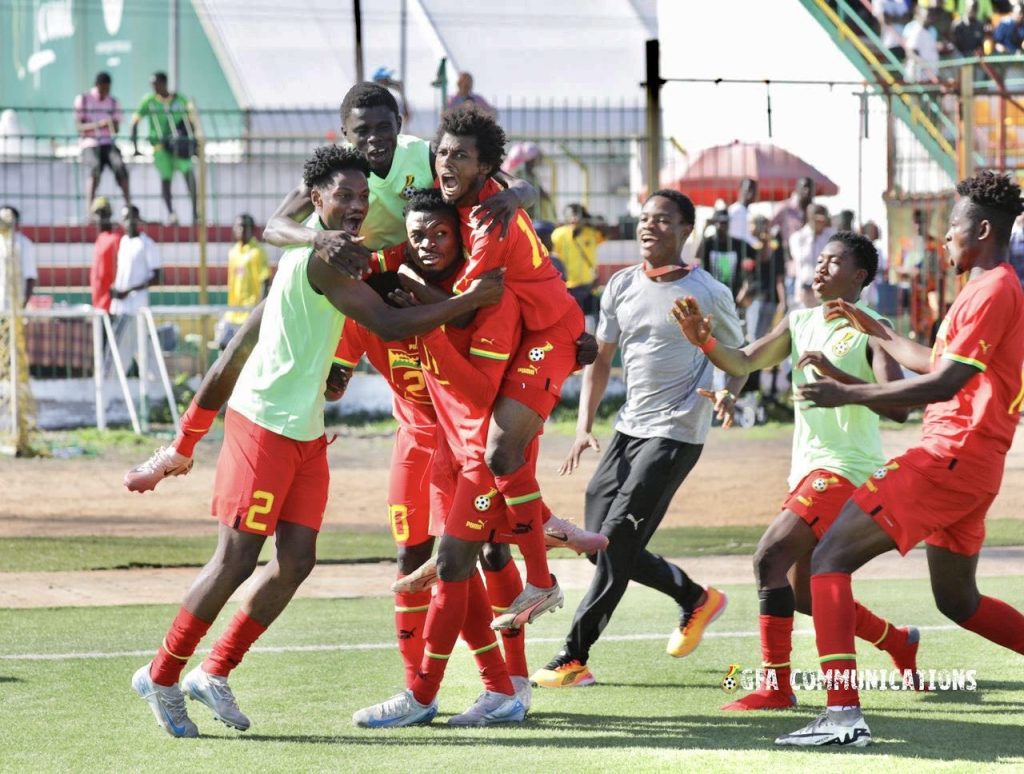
x,y
653,86
357,16
173,46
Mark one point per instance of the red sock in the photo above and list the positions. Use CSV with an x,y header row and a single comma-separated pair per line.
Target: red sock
x,y
232,646
410,617
522,496
545,513
178,646
776,647
504,586
482,641
997,621
444,621
833,607
868,626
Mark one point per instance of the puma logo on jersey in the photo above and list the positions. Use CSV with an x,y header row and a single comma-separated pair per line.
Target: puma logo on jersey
x,y
633,520
486,341
985,346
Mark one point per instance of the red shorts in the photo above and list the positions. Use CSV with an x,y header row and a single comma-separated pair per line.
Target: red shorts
x,y
263,477
409,487
818,499
542,363
910,498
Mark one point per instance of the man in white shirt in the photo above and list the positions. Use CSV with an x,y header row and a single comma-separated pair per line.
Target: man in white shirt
x,y
13,241
138,267
922,45
739,216
805,246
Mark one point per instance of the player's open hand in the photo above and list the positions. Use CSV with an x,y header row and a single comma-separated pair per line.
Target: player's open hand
x,y
402,298
695,326
824,393
488,287
857,317
724,405
337,382
822,365
583,442
496,212
586,349
343,251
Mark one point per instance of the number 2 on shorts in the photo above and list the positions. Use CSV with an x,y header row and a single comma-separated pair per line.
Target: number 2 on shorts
x,y
259,509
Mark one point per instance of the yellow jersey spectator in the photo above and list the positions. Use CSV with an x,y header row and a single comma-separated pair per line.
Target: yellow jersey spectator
x,y
576,243
248,277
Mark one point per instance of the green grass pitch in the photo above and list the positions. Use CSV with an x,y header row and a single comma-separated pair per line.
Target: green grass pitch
x,y
326,658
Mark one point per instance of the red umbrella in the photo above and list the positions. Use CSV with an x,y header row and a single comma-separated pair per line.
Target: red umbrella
x,y
715,173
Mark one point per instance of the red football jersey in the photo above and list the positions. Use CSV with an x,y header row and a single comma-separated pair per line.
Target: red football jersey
x,y
984,328
399,363
463,369
529,273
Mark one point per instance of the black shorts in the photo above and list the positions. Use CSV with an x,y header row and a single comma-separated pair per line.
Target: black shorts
x,y
97,157
585,298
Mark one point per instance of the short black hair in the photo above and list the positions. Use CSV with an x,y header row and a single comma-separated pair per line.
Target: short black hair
x,y
327,160
470,121
578,210
159,75
430,200
14,210
131,210
682,201
995,198
247,220
102,77
367,94
863,251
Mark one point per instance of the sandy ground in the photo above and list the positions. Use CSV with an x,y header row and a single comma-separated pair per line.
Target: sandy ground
x,y
739,480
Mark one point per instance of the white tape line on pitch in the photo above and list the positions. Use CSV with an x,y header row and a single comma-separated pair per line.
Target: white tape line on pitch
x,y
391,645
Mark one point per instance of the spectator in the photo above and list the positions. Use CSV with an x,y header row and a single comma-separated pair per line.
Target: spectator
x,y
466,94
739,226
1009,34
12,241
871,294
892,17
544,229
104,254
522,161
970,32
843,221
722,257
138,267
248,277
922,43
791,214
173,139
767,293
804,248
576,244
98,119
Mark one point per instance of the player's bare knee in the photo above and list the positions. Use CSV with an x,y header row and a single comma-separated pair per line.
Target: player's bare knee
x,y
957,605
502,460
453,569
411,558
294,568
771,564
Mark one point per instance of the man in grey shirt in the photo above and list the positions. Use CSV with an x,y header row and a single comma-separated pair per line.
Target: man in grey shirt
x,y
658,436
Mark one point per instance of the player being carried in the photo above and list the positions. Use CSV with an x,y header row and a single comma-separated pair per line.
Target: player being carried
x,y
940,490
463,369
272,474
834,452
434,252
470,146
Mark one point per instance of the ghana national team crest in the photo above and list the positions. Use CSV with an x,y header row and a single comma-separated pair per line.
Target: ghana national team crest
x,y
536,354
483,502
409,188
845,343
882,472
731,681
821,483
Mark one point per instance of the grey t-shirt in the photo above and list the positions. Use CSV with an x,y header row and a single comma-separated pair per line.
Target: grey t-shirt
x,y
662,369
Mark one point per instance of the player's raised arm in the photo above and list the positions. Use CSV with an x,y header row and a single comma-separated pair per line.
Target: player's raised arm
x,y
767,352
907,353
